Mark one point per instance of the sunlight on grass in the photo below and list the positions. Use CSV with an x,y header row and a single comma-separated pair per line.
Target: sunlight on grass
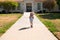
x,y
7,20
50,26
48,23
52,22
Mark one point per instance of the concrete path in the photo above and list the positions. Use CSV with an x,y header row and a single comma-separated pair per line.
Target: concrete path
x,y
38,32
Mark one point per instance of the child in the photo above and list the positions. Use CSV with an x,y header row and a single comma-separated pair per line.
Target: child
x,y
31,17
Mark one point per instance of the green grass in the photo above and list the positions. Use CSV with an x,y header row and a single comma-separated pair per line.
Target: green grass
x,y
52,22
7,25
48,23
50,26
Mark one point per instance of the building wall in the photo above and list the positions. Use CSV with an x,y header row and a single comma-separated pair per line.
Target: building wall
x,y
23,6
28,1
34,5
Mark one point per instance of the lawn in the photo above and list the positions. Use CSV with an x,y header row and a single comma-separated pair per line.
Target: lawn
x,y
7,20
52,22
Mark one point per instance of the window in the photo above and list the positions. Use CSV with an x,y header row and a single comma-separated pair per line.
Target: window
x,y
38,6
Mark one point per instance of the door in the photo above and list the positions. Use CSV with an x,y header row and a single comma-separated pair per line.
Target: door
x,y
28,7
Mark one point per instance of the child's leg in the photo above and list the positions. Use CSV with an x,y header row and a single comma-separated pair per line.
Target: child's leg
x,y
31,24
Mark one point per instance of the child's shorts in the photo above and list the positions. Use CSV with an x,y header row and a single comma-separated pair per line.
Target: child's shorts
x,y
31,19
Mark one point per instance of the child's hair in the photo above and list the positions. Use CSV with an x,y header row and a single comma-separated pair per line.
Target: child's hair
x,y
31,14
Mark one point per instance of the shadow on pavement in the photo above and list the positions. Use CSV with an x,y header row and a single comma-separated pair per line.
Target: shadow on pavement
x,y
24,28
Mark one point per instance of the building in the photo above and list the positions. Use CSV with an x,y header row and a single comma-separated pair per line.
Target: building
x,y
28,5
31,5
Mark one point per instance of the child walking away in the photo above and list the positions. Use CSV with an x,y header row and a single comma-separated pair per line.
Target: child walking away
x,y
31,17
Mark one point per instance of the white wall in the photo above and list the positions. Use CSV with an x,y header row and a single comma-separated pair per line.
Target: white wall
x,y
27,1
34,5
22,7
36,8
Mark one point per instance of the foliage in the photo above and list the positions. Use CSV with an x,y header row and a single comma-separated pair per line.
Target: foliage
x,y
51,26
58,2
8,5
50,4
6,25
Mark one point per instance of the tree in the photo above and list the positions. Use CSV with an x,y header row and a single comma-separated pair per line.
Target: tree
x,y
50,4
8,5
58,2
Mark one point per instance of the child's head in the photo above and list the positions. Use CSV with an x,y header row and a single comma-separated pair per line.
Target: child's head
x,y
31,13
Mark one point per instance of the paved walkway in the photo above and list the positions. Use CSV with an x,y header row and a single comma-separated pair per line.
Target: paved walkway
x,y
38,32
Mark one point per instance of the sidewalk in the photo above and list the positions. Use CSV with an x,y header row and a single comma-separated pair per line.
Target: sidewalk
x,y
38,32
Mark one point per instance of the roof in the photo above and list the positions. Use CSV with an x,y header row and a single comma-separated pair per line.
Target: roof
x,y
11,0
39,0
22,0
